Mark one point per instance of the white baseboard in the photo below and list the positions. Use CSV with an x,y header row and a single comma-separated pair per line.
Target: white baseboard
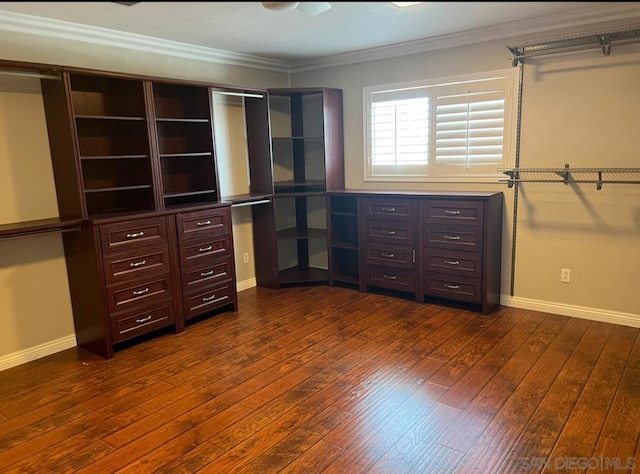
x,y
37,352
246,284
594,314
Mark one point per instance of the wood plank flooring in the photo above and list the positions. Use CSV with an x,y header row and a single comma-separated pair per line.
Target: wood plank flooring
x,y
319,379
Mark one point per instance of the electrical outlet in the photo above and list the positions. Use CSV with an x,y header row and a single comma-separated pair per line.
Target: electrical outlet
x,y
245,257
565,275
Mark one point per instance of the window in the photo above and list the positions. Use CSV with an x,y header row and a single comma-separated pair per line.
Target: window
x,y
459,128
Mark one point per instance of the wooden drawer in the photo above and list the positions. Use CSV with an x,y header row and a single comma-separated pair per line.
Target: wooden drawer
x,y
453,263
205,300
125,296
211,273
203,223
141,321
397,232
122,236
461,212
140,263
391,278
402,209
453,287
468,238
388,255
193,252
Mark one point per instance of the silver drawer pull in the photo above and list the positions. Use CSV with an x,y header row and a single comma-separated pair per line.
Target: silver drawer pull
x,y
141,292
452,287
137,264
201,223
388,232
135,235
207,274
451,213
389,277
452,262
387,255
208,298
143,320
452,237
388,209
205,249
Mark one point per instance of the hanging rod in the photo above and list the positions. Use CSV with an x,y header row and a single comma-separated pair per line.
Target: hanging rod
x,y
567,175
239,94
37,75
603,40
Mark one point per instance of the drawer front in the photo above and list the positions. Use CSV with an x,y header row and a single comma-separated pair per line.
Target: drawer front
x,y
212,273
136,323
397,232
203,223
122,236
468,238
461,212
402,209
141,263
453,287
453,263
125,296
197,251
206,300
389,277
388,255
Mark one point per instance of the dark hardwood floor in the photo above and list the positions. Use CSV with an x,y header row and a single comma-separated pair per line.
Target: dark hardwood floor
x,y
319,379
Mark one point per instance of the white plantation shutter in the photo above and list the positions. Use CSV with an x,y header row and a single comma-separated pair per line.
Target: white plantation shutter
x,y
399,133
456,128
469,132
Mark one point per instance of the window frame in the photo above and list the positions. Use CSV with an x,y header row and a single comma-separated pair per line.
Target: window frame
x,y
511,77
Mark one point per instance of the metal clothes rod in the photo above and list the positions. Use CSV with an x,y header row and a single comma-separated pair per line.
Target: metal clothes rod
x,y
240,94
36,75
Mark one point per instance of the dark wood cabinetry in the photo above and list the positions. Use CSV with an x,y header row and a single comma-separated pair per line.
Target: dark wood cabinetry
x,y
134,158
307,159
431,246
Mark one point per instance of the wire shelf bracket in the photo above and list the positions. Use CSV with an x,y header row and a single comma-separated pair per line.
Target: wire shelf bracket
x,y
603,40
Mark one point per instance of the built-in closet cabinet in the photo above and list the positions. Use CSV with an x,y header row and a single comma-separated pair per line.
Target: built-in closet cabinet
x,y
307,159
134,158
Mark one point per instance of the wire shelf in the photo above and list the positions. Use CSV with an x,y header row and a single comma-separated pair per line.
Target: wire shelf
x,y
568,175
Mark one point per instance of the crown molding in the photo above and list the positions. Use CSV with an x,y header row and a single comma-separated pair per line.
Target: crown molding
x,y
615,12
21,23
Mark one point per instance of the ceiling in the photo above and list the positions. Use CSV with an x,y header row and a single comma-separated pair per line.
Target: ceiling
x,y
294,37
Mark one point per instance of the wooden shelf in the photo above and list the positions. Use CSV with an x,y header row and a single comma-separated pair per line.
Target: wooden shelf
x,y
281,187
183,120
189,193
39,226
117,188
302,233
198,154
125,118
114,157
296,275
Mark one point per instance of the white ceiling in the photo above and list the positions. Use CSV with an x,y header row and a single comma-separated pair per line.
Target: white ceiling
x,y
293,37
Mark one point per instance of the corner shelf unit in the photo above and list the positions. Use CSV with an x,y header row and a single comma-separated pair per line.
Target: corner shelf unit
x,y
567,175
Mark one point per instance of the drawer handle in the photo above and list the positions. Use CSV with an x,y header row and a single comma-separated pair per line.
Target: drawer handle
x,y
389,277
208,298
143,320
207,274
387,255
452,287
137,264
388,232
205,249
452,262
141,292
451,213
388,209
452,237
201,223
135,235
